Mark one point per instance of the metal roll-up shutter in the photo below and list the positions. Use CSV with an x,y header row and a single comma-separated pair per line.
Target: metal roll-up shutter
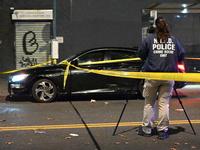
x,y
33,43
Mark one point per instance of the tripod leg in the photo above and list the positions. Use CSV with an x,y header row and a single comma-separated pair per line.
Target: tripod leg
x,y
184,111
123,109
120,117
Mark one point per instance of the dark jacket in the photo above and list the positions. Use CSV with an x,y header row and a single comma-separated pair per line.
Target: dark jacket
x,y
161,57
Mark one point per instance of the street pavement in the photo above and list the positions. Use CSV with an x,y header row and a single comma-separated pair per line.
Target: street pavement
x,y
88,123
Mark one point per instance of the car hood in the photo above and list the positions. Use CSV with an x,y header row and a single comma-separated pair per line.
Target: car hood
x,y
40,69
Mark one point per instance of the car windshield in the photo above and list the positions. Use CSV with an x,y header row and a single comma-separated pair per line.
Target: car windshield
x,y
67,59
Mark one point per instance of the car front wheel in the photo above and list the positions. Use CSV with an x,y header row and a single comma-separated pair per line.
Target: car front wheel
x,y
44,90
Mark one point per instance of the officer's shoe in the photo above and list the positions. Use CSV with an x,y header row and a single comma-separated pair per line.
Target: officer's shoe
x,y
142,133
162,135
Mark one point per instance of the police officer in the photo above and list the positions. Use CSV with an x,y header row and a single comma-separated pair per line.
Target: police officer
x,y
161,52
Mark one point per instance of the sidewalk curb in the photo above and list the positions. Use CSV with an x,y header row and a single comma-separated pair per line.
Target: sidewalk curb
x,y
4,87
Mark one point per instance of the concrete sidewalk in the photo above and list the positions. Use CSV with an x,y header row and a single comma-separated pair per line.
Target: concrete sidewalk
x,y
3,87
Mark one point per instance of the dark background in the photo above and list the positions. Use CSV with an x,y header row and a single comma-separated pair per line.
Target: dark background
x,y
84,24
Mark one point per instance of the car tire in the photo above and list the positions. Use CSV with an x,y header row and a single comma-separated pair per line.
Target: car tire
x,y
44,91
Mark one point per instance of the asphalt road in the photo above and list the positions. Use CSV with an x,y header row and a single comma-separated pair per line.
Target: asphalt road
x,y
88,123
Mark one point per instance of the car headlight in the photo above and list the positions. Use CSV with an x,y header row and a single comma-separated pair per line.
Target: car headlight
x,y
17,78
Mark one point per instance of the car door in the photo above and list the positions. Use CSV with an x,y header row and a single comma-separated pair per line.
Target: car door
x,y
85,82
119,84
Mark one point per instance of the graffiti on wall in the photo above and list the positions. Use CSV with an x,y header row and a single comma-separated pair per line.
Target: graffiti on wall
x,y
32,43
30,46
26,61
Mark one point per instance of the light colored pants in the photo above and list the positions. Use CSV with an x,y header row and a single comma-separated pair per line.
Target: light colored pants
x,y
160,90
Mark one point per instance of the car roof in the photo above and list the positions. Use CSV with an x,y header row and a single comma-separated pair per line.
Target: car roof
x,y
112,48
103,48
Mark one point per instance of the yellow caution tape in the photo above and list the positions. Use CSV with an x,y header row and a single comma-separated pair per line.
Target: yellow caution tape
x,y
187,77
110,61
66,73
28,67
192,58
91,63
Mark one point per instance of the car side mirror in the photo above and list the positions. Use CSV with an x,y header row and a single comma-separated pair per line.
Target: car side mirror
x,y
74,62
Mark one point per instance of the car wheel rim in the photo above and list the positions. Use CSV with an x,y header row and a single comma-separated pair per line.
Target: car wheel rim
x,y
44,91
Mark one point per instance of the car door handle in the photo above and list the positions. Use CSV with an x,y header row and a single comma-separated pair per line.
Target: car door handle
x,y
122,65
100,68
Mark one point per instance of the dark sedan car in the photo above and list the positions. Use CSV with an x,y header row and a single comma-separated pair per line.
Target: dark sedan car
x,y
45,83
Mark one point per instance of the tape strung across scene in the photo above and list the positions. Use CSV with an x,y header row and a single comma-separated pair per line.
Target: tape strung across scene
x,y
66,73
109,61
42,64
188,77
89,63
192,58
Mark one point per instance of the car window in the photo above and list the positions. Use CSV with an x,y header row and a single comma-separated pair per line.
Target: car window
x,y
91,57
118,54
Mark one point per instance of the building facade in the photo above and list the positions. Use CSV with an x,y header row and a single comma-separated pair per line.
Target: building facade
x,y
80,24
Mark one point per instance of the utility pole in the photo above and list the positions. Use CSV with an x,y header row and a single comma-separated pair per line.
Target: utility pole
x,y
54,44
54,19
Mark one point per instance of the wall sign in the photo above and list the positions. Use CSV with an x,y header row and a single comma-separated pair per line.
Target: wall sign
x,y
32,15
